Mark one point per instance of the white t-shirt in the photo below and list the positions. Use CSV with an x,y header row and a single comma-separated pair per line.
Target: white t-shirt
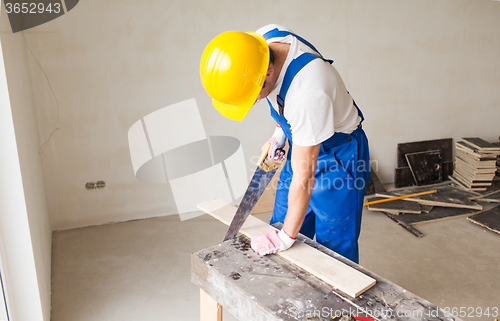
x,y
317,103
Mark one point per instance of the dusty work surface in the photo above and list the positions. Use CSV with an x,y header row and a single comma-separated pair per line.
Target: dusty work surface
x,y
252,287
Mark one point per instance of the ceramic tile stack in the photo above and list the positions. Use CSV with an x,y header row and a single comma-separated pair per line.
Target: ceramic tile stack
x,y
498,160
475,163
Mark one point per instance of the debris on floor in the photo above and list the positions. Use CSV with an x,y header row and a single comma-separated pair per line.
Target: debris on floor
x,y
475,164
491,194
447,202
489,219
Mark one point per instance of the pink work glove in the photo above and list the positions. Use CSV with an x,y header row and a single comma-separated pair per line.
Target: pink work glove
x,y
277,141
271,242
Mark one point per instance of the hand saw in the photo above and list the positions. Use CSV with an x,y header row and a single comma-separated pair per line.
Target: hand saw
x,y
263,175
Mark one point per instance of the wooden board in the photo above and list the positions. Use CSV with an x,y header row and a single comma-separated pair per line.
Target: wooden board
x,y
489,219
480,143
375,185
404,225
426,167
494,188
437,214
492,198
332,271
445,146
402,174
426,208
446,196
404,178
394,207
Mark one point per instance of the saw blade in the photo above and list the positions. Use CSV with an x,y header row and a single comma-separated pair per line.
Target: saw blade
x,y
257,186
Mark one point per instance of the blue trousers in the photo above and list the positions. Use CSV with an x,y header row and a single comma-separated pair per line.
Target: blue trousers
x,y
341,178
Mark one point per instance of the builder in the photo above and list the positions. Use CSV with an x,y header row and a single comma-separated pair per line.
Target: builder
x,y
322,184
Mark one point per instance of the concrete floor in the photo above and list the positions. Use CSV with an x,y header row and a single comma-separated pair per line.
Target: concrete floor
x,y
140,270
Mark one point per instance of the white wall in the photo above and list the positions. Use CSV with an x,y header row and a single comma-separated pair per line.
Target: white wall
x,y
25,231
418,69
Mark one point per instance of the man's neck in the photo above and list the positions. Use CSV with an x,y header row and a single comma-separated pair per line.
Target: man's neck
x,y
281,52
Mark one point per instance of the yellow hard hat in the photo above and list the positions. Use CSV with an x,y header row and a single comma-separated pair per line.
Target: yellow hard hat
x,y
233,69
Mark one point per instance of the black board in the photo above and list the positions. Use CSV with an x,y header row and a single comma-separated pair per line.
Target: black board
x,y
404,178
402,174
445,146
446,195
489,219
426,167
375,185
479,143
437,213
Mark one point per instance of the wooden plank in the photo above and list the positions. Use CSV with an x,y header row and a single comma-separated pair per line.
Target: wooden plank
x,y
459,184
426,167
447,170
404,225
480,143
210,310
404,178
332,271
374,185
446,196
394,207
445,146
489,219
437,214
491,190
426,208
492,198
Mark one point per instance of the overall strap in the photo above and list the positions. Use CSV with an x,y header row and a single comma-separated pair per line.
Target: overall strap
x,y
282,33
295,66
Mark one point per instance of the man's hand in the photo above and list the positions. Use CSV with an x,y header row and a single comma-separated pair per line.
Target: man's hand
x,y
271,242
277,141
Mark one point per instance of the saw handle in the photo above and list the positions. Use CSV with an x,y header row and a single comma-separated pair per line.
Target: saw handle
x,y
269,165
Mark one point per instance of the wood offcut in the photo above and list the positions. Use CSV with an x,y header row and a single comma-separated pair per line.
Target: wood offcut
x,y
489,219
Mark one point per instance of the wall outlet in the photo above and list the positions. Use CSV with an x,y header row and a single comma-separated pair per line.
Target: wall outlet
x,y
95,185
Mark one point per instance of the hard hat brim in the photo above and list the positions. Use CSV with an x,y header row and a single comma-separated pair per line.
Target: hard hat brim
x,y
231,111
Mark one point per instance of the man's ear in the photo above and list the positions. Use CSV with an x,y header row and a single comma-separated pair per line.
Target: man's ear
x,y
270,71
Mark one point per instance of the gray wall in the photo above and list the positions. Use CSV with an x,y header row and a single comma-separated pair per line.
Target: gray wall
x,y
418,69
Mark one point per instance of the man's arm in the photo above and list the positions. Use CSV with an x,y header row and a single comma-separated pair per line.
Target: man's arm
x,y
304,159
304,166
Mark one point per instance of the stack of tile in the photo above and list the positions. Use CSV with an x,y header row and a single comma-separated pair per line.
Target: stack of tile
x,y
498,160
475,163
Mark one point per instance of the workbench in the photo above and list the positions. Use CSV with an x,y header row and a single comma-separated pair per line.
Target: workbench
x,y
253,288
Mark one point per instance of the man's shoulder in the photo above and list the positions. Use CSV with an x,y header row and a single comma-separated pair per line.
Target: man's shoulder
x,y
316,75
270,27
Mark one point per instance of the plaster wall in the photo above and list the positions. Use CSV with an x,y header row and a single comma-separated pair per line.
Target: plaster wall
x,y
419,70
25,230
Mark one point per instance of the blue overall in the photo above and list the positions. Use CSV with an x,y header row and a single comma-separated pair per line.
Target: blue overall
x,y
341,178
